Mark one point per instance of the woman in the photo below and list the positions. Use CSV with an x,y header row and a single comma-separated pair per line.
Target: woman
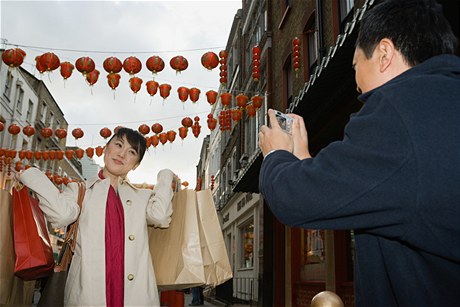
x,y
111,265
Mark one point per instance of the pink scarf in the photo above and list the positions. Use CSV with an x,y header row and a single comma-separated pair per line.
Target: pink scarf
x,y
114,249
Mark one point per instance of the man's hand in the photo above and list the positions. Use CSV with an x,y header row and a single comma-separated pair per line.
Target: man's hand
x,y
274,138
300,137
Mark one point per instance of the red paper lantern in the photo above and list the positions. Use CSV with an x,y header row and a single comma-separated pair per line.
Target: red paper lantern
x,y
152,87
14,129
194,94
237,114
60,154
144,129
29,155
165,90
256,63
46,132
22,154
211,96
178,63
2,126
45,155
69,154
60,133
85,65
154,139
251,110
79,153
157,128
92,77
66,69
89,152
155,64
163,138
38,65
187,122
183,132
28,130
99,151
50,61
296,54
226,99
241,100
212,122
113,79
135,83
209,60
13,57
196,128
171,135
77,133
223,66
37,155
112,65
132,65
18,166
52,154
183,93
105,132
257,101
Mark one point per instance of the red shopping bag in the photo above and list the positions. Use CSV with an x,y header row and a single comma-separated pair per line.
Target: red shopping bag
x,y
32,247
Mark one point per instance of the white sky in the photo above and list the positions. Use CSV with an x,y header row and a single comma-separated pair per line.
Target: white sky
x,y
100,29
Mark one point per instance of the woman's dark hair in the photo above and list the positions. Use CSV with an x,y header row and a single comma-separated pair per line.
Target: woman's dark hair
x,y
135,139
417,28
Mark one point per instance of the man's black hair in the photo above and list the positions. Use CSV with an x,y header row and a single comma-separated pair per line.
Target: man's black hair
x,y
135,139
417,28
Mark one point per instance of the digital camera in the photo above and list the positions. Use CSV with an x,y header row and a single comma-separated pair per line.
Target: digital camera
x,y
284,121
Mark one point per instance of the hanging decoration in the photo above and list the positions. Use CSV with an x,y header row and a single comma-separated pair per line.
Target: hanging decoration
x,y
171,135
132,65
46,132
212,182
79,153
183,132
194,94
14,129
112,65
226,99
2,126
157,128
69,154
38,65
113,79
99,151
187,122
152,87
92,78
50,61
296,55
155,64
225,120
144,129
178,63
28,130
163,138
211,96
60,133
251,110
13,57
241,100
183,91
90,151
256,63
154,139
237,114
77,133
165,90
85,65
105,133
212,122
209,60
135,84
257,101
196,128
66,70
223,66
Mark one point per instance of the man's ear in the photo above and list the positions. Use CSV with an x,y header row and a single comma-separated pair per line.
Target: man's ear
x,y
386,52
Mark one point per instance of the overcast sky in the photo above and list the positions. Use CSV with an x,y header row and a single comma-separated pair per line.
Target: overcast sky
x,y
100,29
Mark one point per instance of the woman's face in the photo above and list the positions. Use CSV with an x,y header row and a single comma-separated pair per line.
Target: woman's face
x,y
120,157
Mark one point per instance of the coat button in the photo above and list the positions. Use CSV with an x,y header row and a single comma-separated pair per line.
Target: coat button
x,y
128,202
131,237
130,277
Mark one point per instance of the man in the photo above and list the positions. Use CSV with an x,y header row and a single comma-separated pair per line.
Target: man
x,y
395,177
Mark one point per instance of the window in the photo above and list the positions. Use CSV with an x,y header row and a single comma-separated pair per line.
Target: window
x,y
43,112
8,84
289,80
312,45
313,255
30,109
51,119
20,98
247,245
345,7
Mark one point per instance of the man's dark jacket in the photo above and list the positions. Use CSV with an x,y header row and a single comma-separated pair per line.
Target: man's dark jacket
x,y
395,180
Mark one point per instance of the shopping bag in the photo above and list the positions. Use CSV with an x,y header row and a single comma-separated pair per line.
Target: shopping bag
x,y
13,290
53,293
217,267
34,254
176,251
